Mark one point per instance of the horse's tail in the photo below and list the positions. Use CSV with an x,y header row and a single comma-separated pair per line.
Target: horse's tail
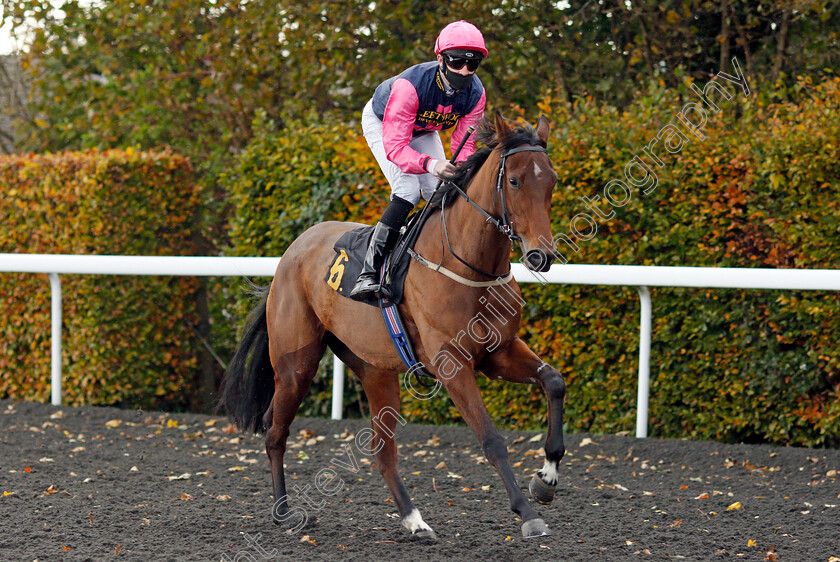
x,y
248,385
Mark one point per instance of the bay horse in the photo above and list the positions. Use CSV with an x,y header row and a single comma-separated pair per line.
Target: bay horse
x,y
452,321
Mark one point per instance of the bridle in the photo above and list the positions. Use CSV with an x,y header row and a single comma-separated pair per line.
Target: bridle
x,y
504,225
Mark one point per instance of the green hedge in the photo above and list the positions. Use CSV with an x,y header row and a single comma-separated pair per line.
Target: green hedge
x,y
761,190
127,340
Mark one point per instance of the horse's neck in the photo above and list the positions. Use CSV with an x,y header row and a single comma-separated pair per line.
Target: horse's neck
x,y
471,237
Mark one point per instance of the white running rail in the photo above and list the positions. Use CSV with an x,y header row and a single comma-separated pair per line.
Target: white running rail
x,y
640,277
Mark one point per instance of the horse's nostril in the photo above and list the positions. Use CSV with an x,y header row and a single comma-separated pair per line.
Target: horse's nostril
x,y
538,260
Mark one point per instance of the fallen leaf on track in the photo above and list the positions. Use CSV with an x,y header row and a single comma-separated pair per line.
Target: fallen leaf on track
x,y
185,476
736,505
113,423
586,441
229,428
536,438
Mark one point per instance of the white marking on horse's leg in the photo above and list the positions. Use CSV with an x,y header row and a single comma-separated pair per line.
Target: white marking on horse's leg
x,y
549,473
414,522
537,170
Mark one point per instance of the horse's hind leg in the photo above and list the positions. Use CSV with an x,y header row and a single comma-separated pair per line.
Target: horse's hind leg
x,y
293,374
517,363
383,392
295,354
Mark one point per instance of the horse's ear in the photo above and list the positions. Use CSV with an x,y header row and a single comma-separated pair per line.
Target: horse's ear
x,y
501,125
542,128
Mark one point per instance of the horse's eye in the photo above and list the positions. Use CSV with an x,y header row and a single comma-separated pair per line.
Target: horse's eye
x,y
514,182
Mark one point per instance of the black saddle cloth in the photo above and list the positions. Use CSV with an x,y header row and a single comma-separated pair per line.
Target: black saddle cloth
x,y
350,252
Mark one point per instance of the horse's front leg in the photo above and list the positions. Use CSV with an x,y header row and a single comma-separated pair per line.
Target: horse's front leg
x,y
464,392
517,363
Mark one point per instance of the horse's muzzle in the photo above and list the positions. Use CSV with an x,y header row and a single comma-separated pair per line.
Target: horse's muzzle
x,y
538,260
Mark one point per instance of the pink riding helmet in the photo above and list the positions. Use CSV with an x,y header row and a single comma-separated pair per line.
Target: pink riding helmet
x,y
460,35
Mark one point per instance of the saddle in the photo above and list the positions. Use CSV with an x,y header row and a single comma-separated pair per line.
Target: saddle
x,y
350,251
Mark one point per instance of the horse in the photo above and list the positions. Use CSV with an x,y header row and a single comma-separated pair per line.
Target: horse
x,y
459,323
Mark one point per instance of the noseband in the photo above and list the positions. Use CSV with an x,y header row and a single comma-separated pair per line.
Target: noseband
x,y
504,225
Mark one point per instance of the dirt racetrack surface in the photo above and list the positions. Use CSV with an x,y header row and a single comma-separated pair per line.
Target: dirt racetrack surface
x,y
101,483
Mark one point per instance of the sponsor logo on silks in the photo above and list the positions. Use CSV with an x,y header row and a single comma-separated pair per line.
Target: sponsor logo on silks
x,y
430,117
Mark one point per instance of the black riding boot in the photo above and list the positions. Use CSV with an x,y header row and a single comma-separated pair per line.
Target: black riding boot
x,y
381,242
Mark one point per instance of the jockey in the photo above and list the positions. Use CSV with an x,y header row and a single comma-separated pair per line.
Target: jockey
x,y
401,123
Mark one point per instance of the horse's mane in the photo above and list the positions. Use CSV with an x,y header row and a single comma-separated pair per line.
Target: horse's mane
x,y
486,135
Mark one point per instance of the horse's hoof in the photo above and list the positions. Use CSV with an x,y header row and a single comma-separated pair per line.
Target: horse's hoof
x,y
280,514
541,491
417,527
535,528
425,534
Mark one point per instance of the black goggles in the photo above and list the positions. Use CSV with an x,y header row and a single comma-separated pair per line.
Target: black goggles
x,y
457,63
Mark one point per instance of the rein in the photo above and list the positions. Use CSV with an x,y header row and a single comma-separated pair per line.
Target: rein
x,y
504,225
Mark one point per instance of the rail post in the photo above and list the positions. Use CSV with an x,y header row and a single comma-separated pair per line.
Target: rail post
x,y
55,339
338,388
642,398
